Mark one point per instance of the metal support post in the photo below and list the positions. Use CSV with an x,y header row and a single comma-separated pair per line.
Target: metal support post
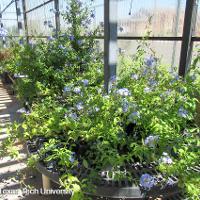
x,y
57,16
19,20
188,30
110,41
25,19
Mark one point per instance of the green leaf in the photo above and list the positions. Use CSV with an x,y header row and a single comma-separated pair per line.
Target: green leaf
x,y
85,163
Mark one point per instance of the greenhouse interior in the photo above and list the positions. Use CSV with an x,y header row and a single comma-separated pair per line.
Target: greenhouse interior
x,y
99,99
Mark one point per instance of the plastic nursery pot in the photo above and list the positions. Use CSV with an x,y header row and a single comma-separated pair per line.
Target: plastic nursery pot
x,y
108,188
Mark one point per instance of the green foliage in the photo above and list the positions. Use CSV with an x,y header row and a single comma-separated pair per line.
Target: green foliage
x,y
86,129
32,160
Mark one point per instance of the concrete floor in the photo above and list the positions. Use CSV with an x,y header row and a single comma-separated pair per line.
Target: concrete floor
x,y
15,176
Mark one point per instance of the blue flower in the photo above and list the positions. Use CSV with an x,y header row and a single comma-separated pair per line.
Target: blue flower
x,y
77,90
144,73
182,112
168,92
71,37
123,92
72,157
61,46
151,140
125,105
85,82
50,38
134,76
150,61
79,106
3,32
165,159
147,181
170,182
67,89
73,116
79,42
147,90
21,41
175,79
152,82
133,116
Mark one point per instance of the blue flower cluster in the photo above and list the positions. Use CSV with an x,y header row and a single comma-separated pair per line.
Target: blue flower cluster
x,y
125,105
72,157
79,106
3,32
67,89
85,82
150,61
77,90
165,159
123,92
147,181
182,112
133,116
151,141
134,76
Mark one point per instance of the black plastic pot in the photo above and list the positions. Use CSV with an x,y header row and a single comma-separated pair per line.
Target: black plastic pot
x,y
110,189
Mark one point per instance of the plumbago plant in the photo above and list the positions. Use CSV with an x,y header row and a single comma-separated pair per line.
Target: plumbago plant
x,y
48,66
149,115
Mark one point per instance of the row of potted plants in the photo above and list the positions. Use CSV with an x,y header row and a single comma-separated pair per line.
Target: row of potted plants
x,y
76,129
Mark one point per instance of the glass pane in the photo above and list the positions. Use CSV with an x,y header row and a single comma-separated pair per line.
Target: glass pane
x,y
96,6
197,30
42,20
168,51
9,16
163,18
33,3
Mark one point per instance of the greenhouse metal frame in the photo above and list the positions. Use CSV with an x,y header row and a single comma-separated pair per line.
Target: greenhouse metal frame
x,y
110,32
154,104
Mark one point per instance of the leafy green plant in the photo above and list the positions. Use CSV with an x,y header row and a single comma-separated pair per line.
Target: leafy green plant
x,y
149,115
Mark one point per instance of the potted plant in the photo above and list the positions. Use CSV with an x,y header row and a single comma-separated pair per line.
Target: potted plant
x,y
141,135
